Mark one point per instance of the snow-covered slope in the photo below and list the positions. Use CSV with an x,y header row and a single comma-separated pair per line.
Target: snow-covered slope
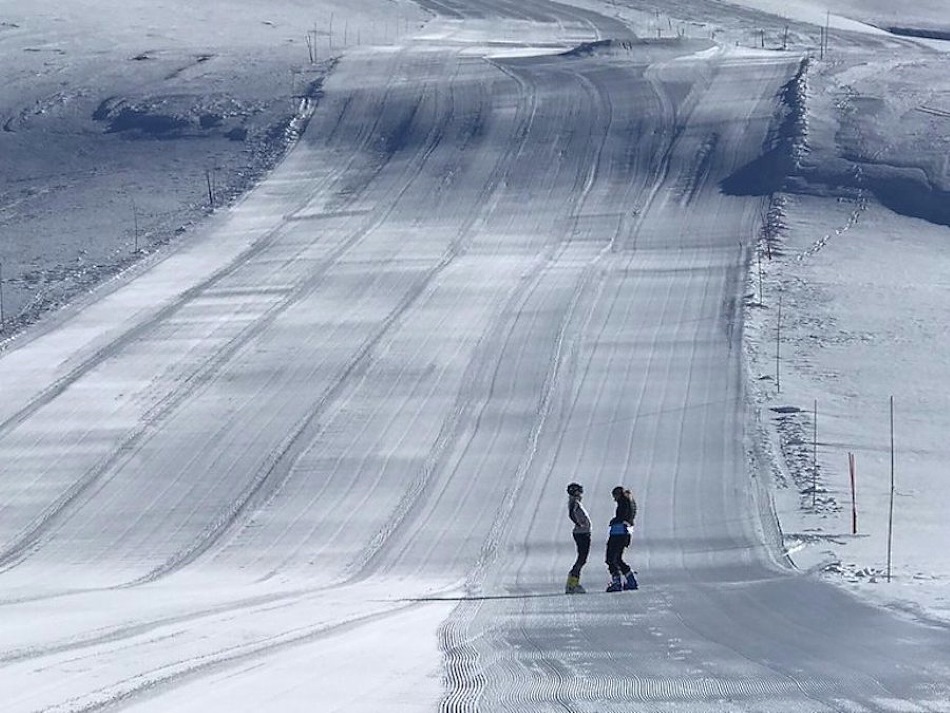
x,y
315,456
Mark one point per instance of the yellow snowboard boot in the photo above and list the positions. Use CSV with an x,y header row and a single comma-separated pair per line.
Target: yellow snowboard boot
x,y
573,586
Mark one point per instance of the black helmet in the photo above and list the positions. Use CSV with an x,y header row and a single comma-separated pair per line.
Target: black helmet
x,y
575,489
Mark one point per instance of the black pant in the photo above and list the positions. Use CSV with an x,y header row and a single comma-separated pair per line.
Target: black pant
x,y
616,544
582,540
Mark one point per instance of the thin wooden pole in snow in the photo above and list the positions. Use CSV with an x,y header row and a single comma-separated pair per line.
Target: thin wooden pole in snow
x,y
890,512
210,187
854,500
2,321
759,254
135,227
827,31
814,457
778,347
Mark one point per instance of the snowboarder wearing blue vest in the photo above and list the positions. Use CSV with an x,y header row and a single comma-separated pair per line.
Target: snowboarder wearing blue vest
x,y
619,539
581,520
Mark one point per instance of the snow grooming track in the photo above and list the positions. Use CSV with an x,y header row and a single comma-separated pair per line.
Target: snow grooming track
x,y
309,429
524,678
464,677
363,564
655,177
189,386
265,480
157,681
546,402
502,519
270,477
416,490
464,673
128,632
31,536
584,279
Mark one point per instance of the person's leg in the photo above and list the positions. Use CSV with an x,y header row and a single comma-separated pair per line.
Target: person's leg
x,y
582,541
613,554
623,541
614,550
631,581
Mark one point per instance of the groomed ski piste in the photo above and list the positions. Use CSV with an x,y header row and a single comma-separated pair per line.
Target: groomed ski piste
x,y
312,309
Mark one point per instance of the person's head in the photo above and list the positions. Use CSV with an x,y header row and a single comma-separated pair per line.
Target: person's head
x,y
620,492
575,490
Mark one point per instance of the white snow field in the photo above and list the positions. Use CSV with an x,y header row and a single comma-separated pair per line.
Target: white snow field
x,y
311,455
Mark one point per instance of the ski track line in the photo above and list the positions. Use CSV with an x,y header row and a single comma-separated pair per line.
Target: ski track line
x,y
270,478
109,350
15,554
31,536
461,682
317,496
465,683
480,379
763,685
579,379
598,97
508,325
664,687
121,633
152,683
450,431
503,514
660,177
438,129
457,246
590,179
480,376
670,134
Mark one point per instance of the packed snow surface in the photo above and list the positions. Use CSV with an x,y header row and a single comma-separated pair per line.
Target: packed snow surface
x,y
404,270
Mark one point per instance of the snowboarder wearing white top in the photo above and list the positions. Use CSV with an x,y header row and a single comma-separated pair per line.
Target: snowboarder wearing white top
x,y
581,520
619,539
